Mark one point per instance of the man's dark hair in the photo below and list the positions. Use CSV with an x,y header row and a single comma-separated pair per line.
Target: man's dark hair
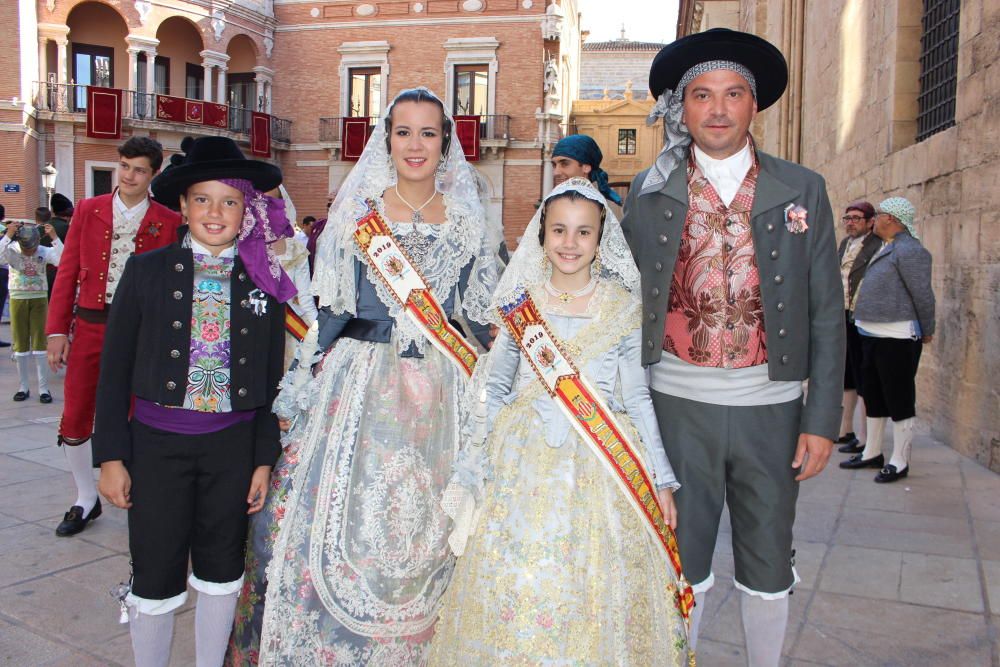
x,y
42,214
143,147
308,220
866,209
3,212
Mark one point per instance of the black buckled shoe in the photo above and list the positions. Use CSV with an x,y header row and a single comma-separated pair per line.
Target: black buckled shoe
x,y
849,444
45,398
890,474
857,462
22,396
74,522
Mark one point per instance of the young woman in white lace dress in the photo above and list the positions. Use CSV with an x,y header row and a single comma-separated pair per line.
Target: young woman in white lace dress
x,y
349,559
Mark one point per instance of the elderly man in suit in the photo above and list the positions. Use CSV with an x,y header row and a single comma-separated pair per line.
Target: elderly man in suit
x,y
856,250
742,302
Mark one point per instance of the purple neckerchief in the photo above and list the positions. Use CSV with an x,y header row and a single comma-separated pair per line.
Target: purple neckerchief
x,y
264,222
313,240
186,422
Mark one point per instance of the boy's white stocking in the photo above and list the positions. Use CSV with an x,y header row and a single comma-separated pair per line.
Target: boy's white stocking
x,y
213,623
151,637
81,464
23,361
42,367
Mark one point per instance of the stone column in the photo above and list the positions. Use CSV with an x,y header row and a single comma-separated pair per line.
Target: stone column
x,y
150,71
260,92
207,94
220,96
42,98
62,74
133,69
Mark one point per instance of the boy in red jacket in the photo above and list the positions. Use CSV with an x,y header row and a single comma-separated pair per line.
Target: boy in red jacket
x,y
105,231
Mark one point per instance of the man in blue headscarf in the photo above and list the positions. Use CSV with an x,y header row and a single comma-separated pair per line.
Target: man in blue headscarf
x,y
579,155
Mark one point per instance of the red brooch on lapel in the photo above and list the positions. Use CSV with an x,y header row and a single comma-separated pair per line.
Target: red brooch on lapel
x,y
795,219
154,228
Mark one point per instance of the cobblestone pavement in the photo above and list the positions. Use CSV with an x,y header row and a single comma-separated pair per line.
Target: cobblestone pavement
x,y
904,574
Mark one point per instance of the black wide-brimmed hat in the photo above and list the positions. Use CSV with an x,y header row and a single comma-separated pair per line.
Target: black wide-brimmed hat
x,y
210,159
758,55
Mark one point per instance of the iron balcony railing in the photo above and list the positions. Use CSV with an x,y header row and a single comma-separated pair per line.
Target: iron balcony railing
x,y
493,127
72,98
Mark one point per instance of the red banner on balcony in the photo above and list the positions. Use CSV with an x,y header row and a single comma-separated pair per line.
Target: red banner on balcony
x,y
260,134
216,115
354,137
104,113
467,131
170,108
194,112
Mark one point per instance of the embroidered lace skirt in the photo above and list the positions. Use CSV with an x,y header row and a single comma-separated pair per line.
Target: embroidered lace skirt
x,y
559,570
351,548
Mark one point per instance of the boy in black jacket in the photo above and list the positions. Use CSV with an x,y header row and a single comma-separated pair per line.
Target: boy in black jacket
x,y
196,336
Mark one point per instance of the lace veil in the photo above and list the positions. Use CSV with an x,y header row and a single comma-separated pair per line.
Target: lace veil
x,y
528,267
467,236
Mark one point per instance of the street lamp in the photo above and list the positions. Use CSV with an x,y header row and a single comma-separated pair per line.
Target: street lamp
x,y
49,174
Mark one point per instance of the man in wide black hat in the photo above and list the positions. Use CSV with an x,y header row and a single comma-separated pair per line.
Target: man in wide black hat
x,y
742,302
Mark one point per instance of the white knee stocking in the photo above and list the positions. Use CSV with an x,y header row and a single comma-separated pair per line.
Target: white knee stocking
x,y
902,441
213,623
81,464
699,609
23,361
151,637
876,428
764,623
42,367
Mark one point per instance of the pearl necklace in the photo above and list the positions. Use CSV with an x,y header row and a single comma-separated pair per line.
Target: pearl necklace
x,y
416,218
566,297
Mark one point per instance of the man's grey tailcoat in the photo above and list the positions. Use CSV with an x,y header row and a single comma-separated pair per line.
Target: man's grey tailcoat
x,y
800,283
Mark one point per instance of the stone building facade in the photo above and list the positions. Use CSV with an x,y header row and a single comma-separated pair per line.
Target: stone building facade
x,y
620,130
851,113
607,68
512,63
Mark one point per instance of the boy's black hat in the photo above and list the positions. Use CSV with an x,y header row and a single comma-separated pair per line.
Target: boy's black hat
x,y
60,204
758,55
210,159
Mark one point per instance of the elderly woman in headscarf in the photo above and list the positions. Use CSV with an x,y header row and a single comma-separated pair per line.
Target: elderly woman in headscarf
x,y
894,314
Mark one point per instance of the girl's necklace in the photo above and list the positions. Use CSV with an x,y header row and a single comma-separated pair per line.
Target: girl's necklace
x,y
566,297
416,217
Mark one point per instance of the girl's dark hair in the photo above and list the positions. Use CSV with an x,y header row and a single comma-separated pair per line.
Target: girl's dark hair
x,y
417,95
571,195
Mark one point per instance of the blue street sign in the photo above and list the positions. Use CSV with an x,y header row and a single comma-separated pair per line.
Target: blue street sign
x,y
11,187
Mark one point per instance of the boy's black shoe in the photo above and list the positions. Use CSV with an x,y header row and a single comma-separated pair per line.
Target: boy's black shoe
x,y
45,398
74,521
857,462
890,474
22,396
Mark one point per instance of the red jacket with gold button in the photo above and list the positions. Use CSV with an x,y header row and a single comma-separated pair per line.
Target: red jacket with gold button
x,y
85,258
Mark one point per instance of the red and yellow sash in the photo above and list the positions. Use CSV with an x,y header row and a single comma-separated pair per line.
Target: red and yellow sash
x,y
397,271
294,324
593,420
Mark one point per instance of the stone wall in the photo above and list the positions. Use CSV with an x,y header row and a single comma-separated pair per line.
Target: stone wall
x,y
600,70
857,118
